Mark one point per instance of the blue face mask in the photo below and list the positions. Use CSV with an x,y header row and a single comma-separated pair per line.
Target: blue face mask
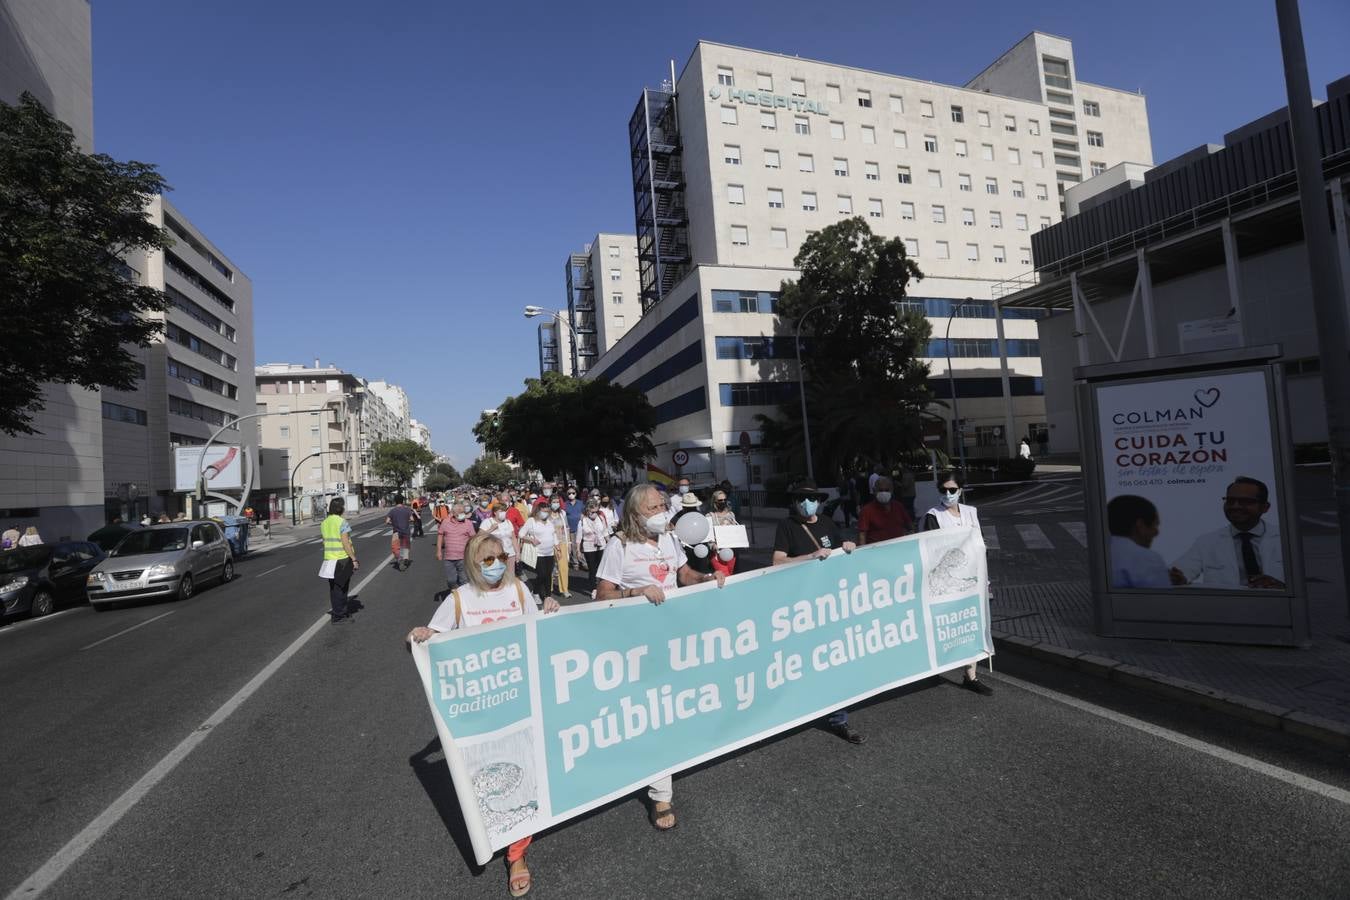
x,y
493,571
808,507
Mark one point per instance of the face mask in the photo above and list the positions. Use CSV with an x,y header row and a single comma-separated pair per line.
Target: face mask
x,y
590,514
533,500
808,507
657,523
483,503
555,506
720,504
460,517
493,571
543,515
949,498
501,515
571,495
548,492
684,489
725,554
604,501
883,497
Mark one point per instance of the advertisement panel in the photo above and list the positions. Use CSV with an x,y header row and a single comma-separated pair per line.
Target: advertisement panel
x,y
223,467
1192,497
545,717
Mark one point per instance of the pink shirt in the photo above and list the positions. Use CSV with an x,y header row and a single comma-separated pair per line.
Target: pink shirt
x,y
454,535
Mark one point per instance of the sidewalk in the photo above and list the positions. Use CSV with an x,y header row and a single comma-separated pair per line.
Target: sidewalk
x,y
1302,691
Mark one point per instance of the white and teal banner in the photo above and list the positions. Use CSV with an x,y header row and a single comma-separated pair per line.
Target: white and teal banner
x,y
546,717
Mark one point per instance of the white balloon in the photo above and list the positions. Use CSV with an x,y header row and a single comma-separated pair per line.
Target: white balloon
x,y
693,529
726,554
701,550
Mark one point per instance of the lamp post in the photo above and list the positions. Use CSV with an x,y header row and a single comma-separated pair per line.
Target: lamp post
x,y
957,429
801,391
291,482
533,311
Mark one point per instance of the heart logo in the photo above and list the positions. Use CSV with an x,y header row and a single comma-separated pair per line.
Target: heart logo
x,y
1207,397
659,571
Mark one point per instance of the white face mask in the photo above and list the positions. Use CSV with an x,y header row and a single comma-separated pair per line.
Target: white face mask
x,y
684,489
658,523
501,515
883,497
548,492
950,498
460,517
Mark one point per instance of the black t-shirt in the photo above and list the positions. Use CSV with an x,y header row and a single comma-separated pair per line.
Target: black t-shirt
x,y
400,519
792,539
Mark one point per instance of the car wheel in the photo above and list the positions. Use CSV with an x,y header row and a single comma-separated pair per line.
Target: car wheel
x,y
43,604
185,587
227,571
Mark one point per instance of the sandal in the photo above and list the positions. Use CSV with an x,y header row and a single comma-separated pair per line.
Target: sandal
x,y
518,883
656,815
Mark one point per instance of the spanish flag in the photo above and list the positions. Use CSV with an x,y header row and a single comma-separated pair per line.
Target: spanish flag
x,y
656,475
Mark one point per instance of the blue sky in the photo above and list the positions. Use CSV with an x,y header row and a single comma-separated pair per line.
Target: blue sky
x,y
399,180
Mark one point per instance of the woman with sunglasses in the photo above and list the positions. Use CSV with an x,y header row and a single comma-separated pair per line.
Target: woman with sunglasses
x,y
492,593
955,514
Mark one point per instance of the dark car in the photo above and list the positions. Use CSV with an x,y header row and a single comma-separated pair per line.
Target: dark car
x,y
108,536
36,580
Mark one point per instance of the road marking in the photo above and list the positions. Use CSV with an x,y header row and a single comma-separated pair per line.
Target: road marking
x,y
68,855
29,623
126,630
1077,529
1033,537
270,571
990,536
1321,788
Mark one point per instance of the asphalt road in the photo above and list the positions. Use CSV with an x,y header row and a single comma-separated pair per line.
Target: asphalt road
x,y
327,781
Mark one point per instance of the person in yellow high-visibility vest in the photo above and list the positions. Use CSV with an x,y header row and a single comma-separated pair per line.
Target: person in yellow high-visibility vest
x,y
339,560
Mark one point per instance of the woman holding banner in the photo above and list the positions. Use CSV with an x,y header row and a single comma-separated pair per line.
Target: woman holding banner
x,y
645,559
493,593
955,514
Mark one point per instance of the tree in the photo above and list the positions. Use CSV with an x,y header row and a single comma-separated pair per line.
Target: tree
x,y
398,460
487,470
67,218
562,424
436,481
866,386
450,472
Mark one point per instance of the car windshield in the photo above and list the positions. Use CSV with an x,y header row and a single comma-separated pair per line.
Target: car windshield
x,y
23,558
153,540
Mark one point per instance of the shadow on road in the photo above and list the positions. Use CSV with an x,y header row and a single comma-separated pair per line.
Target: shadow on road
x,y
428,764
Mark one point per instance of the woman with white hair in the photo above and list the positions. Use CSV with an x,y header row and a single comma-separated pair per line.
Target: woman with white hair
x,y
645,559
492,593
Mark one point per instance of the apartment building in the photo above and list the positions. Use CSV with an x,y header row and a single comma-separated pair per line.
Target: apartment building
x,y
602,296
54,478
555,347
754,151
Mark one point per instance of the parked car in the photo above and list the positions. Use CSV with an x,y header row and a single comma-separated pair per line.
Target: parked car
x,y
167,560
108,536
36,580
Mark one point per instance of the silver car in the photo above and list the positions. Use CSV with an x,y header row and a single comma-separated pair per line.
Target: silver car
x,y
167,560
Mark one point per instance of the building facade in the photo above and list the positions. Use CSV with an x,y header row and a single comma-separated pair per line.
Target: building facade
x,y
555,347
752,152
198,371
1203,252
53,479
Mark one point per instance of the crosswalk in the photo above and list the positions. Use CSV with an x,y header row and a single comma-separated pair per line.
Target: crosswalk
x,y
1050,537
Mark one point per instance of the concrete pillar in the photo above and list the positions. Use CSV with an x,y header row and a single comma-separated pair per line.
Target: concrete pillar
x,y
1079,321
1230,264
1146,300
1008,421
1342,239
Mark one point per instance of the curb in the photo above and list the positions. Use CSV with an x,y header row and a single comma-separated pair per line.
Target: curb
x,y
1258,712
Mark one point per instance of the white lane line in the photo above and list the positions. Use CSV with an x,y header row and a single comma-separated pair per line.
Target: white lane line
x,y
126,630
1321,788
29,623
68,855
1033,537
990,536
270,571
1077,529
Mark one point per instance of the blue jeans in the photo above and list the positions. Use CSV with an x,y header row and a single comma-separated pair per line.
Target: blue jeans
x,y
454,573
837,718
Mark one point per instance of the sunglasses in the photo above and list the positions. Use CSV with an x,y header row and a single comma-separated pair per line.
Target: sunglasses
x,y
504,558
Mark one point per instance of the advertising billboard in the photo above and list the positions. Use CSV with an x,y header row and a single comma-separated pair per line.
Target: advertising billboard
x,y
223,467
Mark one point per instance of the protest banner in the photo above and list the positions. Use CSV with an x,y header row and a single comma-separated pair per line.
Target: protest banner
x,y
545,717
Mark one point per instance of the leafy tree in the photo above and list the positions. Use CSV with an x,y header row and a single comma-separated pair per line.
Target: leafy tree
x,y
66,220
450,472
866,387
488,470
398,460
436,481
562,424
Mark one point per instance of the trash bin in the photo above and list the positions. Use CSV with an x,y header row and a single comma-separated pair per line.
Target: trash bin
x,y
236,532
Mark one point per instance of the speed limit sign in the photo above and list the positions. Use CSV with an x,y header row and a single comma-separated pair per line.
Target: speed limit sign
x,y
680,457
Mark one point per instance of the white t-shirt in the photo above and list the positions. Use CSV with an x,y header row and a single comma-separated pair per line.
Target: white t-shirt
x,y
478,608
593,533
611,518
969,518
504,530
544,531
638,565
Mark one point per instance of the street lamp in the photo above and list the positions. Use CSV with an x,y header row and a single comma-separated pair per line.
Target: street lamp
x,y
801,391
533,311
957,429
291,483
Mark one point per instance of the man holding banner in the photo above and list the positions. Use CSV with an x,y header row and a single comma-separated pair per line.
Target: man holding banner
x,y
645,559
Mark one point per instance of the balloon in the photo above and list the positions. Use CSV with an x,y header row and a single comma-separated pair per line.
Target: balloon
x,y
693,529
726,554
701,550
